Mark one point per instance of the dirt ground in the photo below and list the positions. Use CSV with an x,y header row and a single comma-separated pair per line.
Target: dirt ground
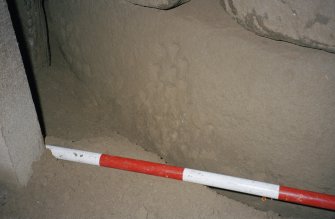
x,y
61,189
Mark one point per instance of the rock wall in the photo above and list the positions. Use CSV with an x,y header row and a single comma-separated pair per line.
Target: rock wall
x,y
20,135
308,23
31,30
196,88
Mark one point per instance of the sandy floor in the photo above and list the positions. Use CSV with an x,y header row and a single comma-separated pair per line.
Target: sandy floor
x,y
61,189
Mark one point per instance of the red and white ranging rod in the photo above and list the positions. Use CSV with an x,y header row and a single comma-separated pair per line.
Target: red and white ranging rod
x,y
262,189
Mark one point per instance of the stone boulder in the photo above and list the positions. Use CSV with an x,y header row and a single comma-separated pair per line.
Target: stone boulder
x,y
159,4
304,22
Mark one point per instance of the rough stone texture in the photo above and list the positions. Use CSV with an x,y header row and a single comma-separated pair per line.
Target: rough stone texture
x,y
31,26
201,91
304,22
3,195
20,136
160,4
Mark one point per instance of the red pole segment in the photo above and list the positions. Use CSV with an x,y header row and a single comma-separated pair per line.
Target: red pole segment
x,y
304,197
141,166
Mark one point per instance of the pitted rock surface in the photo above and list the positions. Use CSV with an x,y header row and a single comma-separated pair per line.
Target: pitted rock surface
x,y
303,22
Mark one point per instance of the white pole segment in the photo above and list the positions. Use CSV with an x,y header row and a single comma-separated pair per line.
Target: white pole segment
x,y
231,183
75,155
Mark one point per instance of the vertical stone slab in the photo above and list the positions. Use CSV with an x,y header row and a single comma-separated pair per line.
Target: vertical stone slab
x,y
20,134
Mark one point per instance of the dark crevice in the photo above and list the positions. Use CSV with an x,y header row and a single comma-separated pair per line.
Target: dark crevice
x,y
47,32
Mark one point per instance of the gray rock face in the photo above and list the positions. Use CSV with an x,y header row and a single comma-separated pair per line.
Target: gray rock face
x,y
34,30
3,195
160,4
20,135
304,22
